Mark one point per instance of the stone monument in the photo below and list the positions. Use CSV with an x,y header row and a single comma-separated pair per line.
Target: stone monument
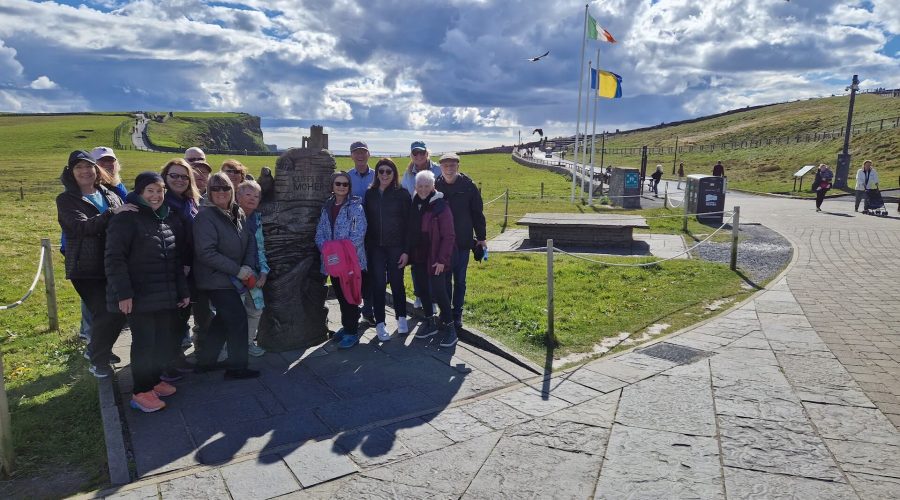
x,y
295,315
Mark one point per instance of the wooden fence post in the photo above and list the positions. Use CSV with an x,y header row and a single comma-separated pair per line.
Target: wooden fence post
x,y
551,333
735,227
50,285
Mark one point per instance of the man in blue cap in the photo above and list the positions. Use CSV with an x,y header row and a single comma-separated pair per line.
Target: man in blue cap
x,y
420,161
361,177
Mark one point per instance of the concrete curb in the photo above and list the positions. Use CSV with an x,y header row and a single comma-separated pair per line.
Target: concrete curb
x,y
113,432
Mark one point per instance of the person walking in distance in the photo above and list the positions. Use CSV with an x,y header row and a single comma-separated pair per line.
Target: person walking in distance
x,y
822,184
866,178
467,207
680,174
718,169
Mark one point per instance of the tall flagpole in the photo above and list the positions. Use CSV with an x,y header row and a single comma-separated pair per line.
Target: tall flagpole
x,y
594,134
580,84
584,140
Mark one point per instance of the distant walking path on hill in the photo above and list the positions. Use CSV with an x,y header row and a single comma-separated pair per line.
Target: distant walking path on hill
x,y
140,132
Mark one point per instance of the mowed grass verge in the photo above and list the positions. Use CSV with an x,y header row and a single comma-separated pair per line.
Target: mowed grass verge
x,y
53,399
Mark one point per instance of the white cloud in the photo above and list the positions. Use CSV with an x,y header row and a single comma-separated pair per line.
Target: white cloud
x,y
43,83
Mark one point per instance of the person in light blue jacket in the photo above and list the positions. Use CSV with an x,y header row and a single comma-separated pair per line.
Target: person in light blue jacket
x,y
420,161
248,196
343,218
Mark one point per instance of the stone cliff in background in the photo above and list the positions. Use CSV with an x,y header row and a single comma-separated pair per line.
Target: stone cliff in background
x,y
295,315
212,132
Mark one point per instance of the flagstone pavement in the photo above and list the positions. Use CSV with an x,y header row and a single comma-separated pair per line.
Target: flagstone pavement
x,y
793,394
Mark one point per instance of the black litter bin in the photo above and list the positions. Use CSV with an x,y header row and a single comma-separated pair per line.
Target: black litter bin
x,y
705,196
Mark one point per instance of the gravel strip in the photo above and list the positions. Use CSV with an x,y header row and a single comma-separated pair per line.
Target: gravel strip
x,y
762,252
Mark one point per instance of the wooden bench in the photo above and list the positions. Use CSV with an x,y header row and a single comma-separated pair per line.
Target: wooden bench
x,y
587,230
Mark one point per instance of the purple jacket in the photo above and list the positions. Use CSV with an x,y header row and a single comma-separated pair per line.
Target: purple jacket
x,y
437,236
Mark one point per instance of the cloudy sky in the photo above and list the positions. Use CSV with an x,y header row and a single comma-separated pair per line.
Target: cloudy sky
x,y
453,72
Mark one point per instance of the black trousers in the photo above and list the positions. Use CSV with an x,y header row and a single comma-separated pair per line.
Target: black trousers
x,y
349,312
151,337
433,290
820,197
228,326
383,264
106,325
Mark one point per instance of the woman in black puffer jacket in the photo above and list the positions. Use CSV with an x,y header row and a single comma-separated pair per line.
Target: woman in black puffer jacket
x,y
84,210
146,281
387,212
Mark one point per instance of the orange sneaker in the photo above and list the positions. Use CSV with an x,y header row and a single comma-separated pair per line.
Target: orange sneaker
x,y
147,402
163,389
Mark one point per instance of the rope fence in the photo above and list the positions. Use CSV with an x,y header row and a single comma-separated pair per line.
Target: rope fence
x,y
34,282
45,264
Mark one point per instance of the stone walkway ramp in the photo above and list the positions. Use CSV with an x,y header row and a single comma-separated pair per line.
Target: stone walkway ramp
x,y
767,400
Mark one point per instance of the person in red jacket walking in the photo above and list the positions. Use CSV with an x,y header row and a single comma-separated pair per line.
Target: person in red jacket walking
x,y
431,241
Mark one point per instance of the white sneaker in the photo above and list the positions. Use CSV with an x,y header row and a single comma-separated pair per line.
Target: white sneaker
x,y
383,335
255,350
402,327
418,303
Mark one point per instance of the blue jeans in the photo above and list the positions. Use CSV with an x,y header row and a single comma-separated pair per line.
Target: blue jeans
x,y
86,321
383,262
456,281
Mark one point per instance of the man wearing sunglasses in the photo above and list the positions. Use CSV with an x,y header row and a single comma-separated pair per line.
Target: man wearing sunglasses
x,y
197,159
419,161
361,178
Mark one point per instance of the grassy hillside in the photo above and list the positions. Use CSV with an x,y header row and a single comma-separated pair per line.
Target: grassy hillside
x,y
221,131
769,168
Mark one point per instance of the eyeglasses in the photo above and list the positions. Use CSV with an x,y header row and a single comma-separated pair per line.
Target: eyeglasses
x,y
217,189
178,177
385,171
418,152
341,184
231,171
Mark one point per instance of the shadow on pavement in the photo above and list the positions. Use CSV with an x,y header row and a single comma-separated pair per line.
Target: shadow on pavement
x,y
361,396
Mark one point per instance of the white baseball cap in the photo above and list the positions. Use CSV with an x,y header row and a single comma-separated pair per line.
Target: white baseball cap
x,y
103,152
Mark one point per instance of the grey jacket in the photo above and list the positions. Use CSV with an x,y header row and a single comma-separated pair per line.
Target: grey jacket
x,y
221,247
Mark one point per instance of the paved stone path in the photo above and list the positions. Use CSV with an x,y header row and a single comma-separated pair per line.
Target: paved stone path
x,y
790,395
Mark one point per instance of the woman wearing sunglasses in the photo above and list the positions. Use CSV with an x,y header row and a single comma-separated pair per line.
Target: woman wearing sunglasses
x,y
183,200
223,257
387,212
343,218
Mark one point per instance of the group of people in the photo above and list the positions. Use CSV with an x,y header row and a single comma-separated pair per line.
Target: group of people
x,y
428,218
189,242
866,181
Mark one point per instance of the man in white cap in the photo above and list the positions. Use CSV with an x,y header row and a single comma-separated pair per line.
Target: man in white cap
x,y
467,208
197,158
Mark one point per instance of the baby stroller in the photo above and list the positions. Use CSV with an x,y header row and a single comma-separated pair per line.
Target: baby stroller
x,y
874,203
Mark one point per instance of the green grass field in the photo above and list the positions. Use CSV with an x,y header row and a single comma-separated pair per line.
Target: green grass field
x,y
769,168
57,431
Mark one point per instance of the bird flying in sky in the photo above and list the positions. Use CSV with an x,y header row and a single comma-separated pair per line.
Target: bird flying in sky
x,y
538,58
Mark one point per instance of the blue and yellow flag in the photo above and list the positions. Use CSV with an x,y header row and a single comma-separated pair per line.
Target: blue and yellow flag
x,y
607,83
